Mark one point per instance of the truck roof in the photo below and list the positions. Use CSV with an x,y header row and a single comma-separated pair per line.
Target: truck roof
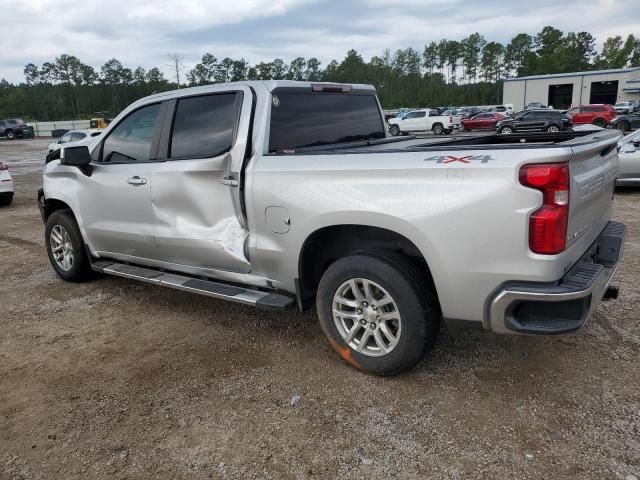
x,y
269,85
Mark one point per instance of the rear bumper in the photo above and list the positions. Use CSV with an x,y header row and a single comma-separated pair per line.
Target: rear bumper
x,y
563,306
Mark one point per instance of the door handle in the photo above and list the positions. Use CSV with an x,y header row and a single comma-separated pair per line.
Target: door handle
x,y
136,181
229,180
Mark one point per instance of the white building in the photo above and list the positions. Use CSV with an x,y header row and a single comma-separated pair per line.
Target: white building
x,y
563,90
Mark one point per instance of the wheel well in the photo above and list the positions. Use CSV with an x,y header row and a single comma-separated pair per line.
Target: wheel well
x,y
328,244
53,205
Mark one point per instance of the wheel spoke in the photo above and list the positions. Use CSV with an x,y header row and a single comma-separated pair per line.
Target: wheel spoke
x,y
343,314
352,333
384,328
379,340
356,290
384,301
363,341
346,302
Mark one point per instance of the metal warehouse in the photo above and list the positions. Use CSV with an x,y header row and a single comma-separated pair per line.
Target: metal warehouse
x,y
564,90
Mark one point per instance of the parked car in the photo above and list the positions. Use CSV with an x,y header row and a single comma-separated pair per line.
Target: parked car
x,y
421,121
599,115
75,138
534,105
6,185
542,120
268,193
627,122
482,121
629,154
622,108
12,128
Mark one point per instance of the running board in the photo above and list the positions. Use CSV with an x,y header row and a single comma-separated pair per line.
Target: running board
x,y
257,298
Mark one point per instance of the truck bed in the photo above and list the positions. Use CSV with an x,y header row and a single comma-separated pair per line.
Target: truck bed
x,y
467,142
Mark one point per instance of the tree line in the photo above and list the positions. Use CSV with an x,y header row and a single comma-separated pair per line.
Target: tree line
x,y
446,72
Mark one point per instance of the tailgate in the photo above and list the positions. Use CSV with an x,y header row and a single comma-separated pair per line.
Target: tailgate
x,y
594,166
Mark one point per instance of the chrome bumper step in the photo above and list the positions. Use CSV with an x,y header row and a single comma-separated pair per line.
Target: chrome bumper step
x,y
210,288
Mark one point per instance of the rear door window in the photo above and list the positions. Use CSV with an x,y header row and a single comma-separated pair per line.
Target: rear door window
x,y
300,118
204,126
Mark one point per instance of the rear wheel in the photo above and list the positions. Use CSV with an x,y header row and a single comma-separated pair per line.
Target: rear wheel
x,y
600,122
65,247
506,130
378,312
6,199
394,130
623,126
437,129
553,129
10,134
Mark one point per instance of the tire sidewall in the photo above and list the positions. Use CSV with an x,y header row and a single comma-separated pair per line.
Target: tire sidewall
x,y
504,131
437,129
80,264
394,130
414,329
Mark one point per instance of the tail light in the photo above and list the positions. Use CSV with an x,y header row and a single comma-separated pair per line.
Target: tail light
x,y
548,224
4,166
450,119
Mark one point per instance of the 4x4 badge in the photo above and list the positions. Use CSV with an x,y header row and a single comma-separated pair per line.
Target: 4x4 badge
x,y
465,159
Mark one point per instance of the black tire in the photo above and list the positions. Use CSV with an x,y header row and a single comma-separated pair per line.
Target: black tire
x,y
394,130
600,122
437,129
623,126
506,130
6,199
10,134
413,294
448,131
553,129
80,269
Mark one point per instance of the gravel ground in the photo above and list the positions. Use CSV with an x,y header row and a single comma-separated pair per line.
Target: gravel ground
x,y
119,379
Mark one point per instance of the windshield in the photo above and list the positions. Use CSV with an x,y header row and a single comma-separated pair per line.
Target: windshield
x,y
300,118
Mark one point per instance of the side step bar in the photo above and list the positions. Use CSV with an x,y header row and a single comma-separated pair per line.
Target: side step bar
x,y
257,298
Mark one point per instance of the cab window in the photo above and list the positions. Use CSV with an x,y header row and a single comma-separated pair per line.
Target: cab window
x,y
131,139
204,126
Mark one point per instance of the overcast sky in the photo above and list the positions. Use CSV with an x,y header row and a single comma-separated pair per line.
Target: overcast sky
x,y
142,32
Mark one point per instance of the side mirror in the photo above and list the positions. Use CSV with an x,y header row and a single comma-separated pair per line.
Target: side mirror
x,y
76,157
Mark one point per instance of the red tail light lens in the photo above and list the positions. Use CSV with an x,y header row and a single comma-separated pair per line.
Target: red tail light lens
x,y
548,224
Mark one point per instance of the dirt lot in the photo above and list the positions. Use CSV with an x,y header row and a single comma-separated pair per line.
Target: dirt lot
x,y
119,379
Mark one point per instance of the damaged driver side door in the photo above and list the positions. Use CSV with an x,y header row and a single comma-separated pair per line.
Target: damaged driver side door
x,y
195,195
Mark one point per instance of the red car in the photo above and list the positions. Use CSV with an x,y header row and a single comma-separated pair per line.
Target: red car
x,y
597,114
482,121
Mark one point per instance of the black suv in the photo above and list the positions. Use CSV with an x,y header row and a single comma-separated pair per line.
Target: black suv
x,y
543,120
12,128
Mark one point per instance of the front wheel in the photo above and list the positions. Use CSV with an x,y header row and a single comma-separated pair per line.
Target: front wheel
x,y
378,312
506,131
553,129
394,130
600,122
10,135
65,247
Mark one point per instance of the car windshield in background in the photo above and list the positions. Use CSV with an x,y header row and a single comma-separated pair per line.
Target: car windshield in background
x,y
305,119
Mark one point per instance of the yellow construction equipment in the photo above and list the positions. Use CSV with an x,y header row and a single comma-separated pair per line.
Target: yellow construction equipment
x,y
100,120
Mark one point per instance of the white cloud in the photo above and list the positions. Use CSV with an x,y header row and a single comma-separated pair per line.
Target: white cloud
x,y
142,32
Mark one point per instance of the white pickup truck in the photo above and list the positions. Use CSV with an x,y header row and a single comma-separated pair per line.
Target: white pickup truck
x,y
423,120
270,194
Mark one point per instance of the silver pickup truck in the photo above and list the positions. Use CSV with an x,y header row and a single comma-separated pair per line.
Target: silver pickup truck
x,y
280,194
